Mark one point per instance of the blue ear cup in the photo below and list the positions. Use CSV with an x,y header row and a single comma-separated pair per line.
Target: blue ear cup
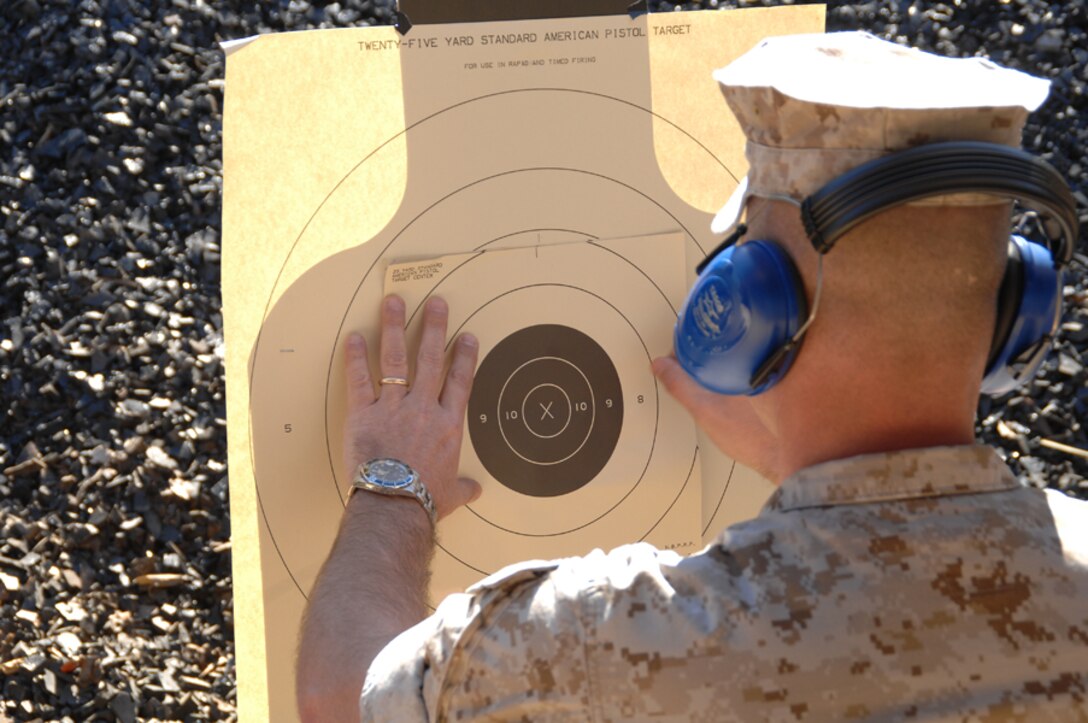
x,y
748,303
1028,310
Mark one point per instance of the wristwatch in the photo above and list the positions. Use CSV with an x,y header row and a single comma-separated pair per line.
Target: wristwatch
x,y
392,477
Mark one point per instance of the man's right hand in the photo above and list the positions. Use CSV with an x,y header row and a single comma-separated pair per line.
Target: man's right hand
x,y
730,421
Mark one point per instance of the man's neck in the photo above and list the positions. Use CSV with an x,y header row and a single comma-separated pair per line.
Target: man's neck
x,y
895,356
850,418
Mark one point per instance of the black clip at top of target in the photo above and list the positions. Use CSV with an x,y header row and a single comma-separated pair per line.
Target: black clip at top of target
x,y
429,12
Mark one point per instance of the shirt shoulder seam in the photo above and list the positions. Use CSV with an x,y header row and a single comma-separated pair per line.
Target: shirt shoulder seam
x,y
582,611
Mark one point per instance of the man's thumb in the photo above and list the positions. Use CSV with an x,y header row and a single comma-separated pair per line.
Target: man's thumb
x,y
673,376
470,490
683,388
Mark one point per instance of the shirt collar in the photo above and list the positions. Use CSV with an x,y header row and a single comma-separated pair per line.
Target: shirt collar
x,y
890,476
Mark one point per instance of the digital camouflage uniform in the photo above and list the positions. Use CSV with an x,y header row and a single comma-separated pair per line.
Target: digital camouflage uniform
x,y
916,585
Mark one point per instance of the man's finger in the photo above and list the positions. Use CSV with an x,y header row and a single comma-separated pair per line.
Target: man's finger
x,y
357,369
394,353
432,348
458,386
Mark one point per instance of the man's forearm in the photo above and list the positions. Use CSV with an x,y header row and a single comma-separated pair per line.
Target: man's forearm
x,y
372,588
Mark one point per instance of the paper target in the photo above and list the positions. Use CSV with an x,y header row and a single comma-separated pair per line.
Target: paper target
x,y
346,151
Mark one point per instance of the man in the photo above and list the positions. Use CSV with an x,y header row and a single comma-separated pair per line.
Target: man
x,y
898,572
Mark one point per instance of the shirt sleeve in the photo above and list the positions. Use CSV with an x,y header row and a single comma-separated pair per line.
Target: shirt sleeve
x,y
518,645
513,645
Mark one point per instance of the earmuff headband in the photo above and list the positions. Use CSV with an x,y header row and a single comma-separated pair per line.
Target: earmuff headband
x,y
937,170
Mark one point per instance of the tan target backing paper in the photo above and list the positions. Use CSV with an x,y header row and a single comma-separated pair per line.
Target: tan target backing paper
x,y
574,165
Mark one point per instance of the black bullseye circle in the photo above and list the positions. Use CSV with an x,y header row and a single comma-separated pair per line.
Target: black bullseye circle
x,y
546,410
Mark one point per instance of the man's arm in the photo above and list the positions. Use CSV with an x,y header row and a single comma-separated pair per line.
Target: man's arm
x,y
373,586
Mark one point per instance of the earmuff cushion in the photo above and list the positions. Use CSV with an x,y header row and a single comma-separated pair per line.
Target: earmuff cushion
x,y
1027,313
748,302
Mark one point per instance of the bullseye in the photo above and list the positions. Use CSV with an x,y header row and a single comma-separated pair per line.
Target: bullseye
x,y
546,410
546,396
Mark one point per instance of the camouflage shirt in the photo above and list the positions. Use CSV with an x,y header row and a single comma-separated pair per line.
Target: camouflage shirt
x,y
917,585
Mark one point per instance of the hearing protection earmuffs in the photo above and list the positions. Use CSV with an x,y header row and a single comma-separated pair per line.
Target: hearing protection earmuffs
x,y
743,321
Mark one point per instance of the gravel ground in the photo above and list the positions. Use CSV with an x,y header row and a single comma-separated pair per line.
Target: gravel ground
x,y
115,579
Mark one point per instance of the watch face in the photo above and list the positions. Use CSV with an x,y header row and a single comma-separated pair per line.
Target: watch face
x,y
388,473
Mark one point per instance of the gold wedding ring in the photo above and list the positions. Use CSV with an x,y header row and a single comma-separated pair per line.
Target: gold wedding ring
x,y
399,381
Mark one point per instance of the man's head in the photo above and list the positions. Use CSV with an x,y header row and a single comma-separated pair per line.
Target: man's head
x,y
897,350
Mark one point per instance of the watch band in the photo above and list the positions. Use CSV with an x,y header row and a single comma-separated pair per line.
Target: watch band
x,y
371,476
